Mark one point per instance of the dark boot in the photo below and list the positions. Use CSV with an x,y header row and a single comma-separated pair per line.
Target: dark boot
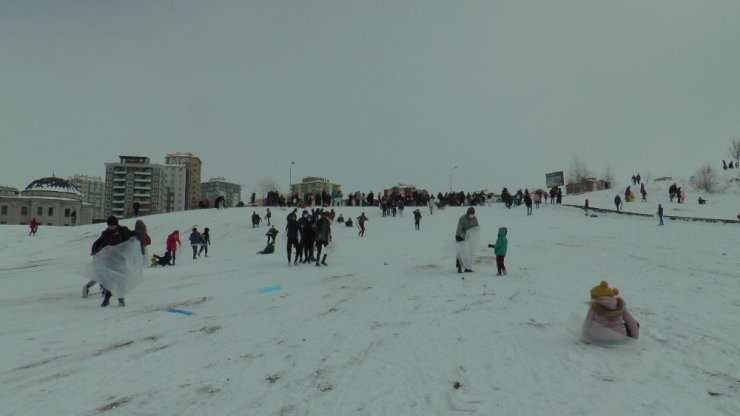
x,y
106,299
323,260
121,302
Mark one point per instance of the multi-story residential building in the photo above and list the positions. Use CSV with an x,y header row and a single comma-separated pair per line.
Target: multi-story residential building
x,y
175,177
192,176
313,185
134,179
92,189
51,201
216,187
404,190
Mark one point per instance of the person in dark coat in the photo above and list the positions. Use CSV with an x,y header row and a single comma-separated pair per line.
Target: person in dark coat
x,y
136,207
111,236
161,260
417,218
660,213
292,228
269,249
205,241
271,233
309,239
528,202
195,241
618,202
255,219
323,237
361,223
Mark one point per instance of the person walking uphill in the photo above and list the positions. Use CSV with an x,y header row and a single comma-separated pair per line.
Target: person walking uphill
x,y
206,241
172,241
140,230
195,241
499,249
466,233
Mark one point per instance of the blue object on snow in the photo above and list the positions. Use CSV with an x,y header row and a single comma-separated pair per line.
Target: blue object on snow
x,y
184,312
270,289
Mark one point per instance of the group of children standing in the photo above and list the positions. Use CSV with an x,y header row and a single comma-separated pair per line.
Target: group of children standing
x,y
198,241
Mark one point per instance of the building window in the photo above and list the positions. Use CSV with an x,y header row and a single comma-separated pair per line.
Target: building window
x,y
51,211
67,211
24,212
39,211
4,210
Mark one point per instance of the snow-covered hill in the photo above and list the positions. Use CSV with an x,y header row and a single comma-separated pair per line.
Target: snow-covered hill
x,y
388,327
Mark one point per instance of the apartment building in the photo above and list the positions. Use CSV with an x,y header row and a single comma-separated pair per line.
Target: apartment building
x,y
92,189
175,188
134,179
192,176
313,185
216,187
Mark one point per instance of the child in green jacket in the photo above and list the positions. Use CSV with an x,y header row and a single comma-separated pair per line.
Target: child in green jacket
x,y
499,249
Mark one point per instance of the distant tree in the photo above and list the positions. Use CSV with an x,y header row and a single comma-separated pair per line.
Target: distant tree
x,y
578,171
735,150
609,175
706,179
267,185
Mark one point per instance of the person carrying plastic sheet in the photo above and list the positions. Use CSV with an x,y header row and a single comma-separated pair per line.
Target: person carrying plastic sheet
x,y
112,236
467,227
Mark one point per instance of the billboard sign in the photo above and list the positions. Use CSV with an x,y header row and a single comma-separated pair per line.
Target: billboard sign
x,y
554,179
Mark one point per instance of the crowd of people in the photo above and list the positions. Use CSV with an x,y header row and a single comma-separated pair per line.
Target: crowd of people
x,y
308,237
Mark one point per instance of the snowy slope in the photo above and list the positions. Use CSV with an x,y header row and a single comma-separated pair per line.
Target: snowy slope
x,y
386,329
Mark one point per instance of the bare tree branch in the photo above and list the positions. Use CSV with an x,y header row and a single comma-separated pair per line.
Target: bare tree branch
x,y
735,150
706,179
578,171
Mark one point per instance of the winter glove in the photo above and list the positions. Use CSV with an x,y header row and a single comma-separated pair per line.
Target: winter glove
x,y
458,238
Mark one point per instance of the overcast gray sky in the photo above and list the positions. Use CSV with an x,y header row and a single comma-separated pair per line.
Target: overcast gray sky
x,y
369,93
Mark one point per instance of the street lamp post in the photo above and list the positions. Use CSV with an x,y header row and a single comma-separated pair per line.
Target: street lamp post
x,y
290,181
451,170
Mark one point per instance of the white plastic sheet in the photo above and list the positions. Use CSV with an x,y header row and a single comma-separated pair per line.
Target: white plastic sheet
x,y
466,248
118,268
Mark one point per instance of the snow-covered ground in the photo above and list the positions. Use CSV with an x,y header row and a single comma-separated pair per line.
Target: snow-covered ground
x,y
388,327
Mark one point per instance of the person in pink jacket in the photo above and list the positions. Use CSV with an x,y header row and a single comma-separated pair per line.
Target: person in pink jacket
x,y
172,241
608,319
